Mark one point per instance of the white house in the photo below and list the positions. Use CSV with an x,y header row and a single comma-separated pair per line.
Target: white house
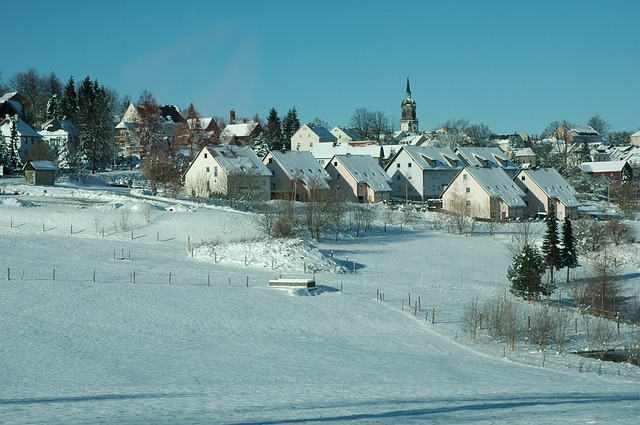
x,y
487,193
310,135
323,152
28,138
344,134
420,173
295,174
635,138
233,171
59,132
358,178
544,187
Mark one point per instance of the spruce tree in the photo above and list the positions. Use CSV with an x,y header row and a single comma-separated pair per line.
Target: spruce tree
x,y
95,127
69,102
525,273
191,131
53,107
15,161
273,131
569,255
550,246
290,124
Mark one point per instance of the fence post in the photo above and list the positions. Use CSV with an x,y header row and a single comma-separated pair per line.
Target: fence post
x,y
54,274
169,278
8,273
94,275
208,279
433,315
247,281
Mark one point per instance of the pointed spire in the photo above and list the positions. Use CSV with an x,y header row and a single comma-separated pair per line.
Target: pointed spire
x,y
408,88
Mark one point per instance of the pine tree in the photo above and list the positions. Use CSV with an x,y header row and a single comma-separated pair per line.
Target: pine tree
x,y
568,252
550,246
69,102
273,131
290,124
525,273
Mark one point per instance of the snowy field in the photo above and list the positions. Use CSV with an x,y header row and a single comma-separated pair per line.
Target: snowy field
x,y
118,308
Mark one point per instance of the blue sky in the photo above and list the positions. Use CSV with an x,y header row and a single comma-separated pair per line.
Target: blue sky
x,y
514,66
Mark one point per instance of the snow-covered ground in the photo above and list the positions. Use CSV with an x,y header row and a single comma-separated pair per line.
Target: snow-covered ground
x,y
120,308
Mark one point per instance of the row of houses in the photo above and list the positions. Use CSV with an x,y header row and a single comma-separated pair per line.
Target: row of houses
x,y
481,181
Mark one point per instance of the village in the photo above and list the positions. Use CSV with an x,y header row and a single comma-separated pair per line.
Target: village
x,y
498,178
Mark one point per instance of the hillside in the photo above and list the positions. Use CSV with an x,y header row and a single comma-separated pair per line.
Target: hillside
x,y
119,308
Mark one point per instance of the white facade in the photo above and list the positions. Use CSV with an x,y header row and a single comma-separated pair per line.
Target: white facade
x,y
234,171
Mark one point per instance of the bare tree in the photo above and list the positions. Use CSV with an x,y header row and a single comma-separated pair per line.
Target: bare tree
x,y
472,318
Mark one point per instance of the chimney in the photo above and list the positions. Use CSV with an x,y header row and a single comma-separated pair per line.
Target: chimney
x,y
232,116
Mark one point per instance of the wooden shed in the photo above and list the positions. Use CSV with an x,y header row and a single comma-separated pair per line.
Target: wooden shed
x,y
40,172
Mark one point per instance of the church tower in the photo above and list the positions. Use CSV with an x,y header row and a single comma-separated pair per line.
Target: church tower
x,y
408,122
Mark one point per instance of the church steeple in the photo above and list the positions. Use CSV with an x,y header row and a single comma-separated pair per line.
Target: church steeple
x,y
408,122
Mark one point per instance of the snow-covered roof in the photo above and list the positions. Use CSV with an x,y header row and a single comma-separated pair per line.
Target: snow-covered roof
x,y
602,166
636,134
497,184
238,160
364,169
433,158
553,185
584,131
171,113
41,165
240,130
524,152
24,129
327,150
301,165
58,127
484,157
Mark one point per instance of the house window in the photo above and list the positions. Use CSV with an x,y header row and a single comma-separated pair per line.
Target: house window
x,y
409,165
215,171
464,177
205,155
207,169
398,164
522,178
468,203
468,190
273,186
335,164
270,160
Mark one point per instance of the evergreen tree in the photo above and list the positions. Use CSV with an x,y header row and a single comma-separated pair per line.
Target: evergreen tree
x,y
550,246
150,128
290,124
95,127
273,131
69,102
14,160
191,132
525,273
568,252
53,107
260,145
